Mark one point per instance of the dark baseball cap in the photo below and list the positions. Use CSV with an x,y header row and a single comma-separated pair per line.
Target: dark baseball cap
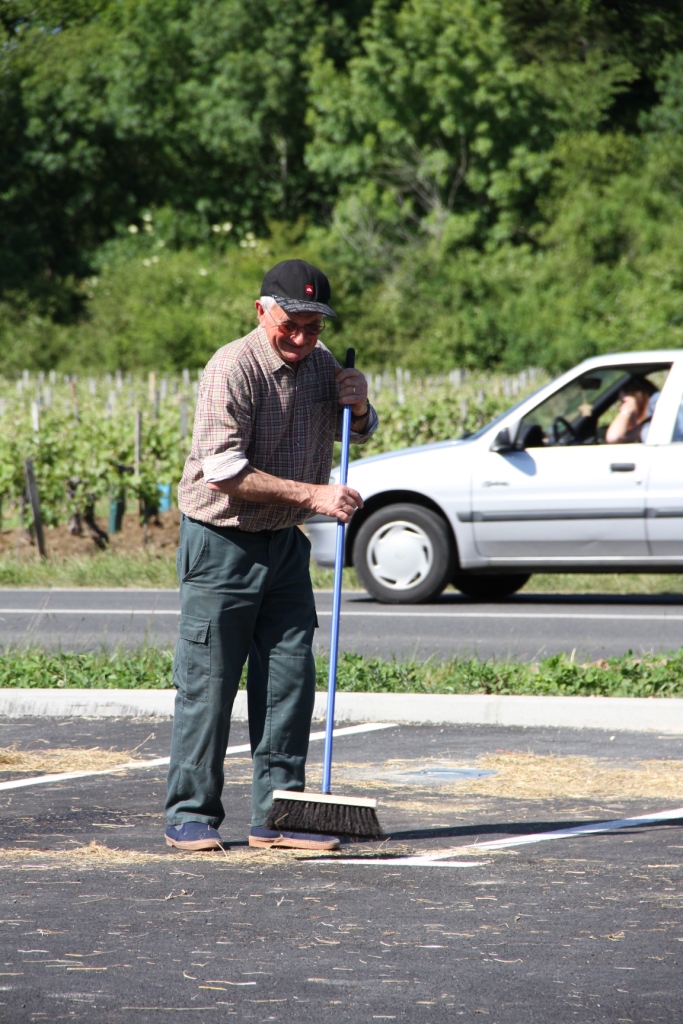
x,y
298,287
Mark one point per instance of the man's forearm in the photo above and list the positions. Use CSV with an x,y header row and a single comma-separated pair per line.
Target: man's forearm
x,y
254,485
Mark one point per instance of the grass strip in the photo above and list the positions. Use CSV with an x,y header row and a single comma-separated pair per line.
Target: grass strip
x,y
654,675
110,569
148,668
154,570
104,569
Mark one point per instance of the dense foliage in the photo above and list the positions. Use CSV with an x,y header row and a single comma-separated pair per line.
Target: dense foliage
x,y
487,182
654,675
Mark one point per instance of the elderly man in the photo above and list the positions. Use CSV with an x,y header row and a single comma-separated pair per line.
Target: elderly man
x,y
268,412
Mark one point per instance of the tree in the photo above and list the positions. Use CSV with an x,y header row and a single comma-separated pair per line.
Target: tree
x,y
194,105
452,130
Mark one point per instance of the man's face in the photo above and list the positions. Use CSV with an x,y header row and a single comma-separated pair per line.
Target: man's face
x,y
292,335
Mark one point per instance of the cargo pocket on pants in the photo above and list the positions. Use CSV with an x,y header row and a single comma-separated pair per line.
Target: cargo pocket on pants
x,y
192,668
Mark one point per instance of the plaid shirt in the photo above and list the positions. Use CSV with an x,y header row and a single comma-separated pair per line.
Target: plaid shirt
x,y
256,409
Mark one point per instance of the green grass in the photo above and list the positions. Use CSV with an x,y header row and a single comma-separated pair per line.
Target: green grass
x,y
555,583
604,583
108,569
150,668
104,569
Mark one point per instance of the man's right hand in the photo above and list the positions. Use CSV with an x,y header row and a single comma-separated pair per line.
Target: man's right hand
x,y
336,500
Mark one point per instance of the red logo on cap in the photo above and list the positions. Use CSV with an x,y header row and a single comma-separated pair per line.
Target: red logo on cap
x,y
310,290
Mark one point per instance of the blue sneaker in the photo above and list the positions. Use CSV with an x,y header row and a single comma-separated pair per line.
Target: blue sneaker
x,y
193,835
264,837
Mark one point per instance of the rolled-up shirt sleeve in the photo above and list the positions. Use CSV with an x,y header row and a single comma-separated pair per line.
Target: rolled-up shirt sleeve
x,y
223,429
223,466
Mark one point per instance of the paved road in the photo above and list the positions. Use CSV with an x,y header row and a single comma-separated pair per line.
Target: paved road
x,y
526,626
583,929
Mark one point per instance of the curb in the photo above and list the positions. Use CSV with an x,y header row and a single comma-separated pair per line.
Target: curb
x,y
630,714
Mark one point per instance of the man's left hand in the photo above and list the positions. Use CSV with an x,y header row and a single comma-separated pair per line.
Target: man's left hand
x,y
353,391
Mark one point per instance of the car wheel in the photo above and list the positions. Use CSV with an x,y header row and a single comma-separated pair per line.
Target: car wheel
x,y
489,588
404,554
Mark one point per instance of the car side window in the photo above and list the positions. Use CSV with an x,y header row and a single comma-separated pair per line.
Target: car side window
x,y
569,415
583,412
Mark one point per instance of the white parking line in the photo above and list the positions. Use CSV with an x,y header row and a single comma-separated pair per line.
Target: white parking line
x,y
581,830
390,862
440,860
38,780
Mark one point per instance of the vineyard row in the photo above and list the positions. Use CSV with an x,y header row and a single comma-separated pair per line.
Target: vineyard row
x,y
102,438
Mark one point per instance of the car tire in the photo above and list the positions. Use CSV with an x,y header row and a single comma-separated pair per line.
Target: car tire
x,y
489,588
404,554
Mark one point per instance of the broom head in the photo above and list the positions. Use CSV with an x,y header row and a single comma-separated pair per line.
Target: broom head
x,y
323,813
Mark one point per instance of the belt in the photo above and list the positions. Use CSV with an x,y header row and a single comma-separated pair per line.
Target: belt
x,y
265,534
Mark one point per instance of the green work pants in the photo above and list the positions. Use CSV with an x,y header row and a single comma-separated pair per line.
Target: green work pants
x,y
241,594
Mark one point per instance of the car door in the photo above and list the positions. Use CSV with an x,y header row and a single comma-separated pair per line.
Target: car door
x,y
664,497
578,502
584,503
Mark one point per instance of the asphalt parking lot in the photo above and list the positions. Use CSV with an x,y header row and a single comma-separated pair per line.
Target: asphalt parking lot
x,y
101,922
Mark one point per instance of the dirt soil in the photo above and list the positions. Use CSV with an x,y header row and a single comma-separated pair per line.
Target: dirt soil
x,y
161,537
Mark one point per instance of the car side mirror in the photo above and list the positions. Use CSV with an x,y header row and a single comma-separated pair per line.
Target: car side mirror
x,y
503,442
529,435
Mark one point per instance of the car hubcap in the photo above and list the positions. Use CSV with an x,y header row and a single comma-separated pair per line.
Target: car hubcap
x,y
400,555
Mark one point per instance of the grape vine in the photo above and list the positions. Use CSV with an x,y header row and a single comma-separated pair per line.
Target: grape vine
x,y
80,432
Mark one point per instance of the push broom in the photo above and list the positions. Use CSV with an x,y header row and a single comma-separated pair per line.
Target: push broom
x,y
322,812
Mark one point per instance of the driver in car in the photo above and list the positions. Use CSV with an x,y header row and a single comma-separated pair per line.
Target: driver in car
x,y
637,400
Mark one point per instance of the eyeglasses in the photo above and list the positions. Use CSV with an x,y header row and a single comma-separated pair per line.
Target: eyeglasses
x,y
290,328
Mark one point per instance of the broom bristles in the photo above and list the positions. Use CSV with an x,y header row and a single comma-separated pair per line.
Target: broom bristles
x,y
336,819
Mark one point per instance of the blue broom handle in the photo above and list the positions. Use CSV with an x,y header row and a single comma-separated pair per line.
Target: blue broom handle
x,y
336,594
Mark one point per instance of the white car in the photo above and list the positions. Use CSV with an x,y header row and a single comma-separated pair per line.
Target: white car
x,y
537,490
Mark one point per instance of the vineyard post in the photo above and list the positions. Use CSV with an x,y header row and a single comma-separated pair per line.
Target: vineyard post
x,y
34,499
183,420
138,450
400,393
